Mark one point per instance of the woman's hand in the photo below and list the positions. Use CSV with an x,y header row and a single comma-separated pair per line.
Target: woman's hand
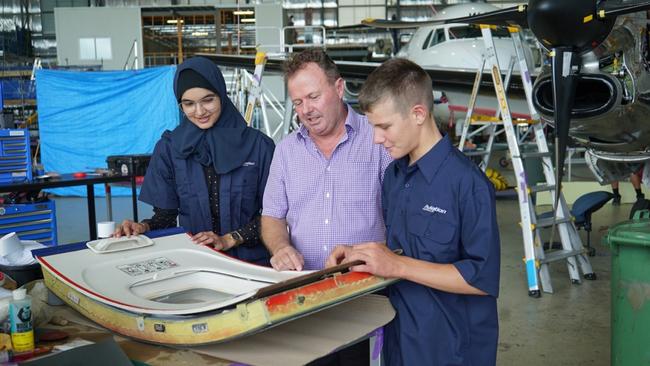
x,y
129,228
210,239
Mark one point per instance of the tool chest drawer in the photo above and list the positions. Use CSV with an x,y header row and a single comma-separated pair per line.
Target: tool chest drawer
x,y
30,221
15,156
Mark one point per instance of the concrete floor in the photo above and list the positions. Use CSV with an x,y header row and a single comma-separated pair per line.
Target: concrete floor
x,y
569,327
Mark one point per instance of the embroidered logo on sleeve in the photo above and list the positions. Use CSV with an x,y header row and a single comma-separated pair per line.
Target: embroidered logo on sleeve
x,y
433,209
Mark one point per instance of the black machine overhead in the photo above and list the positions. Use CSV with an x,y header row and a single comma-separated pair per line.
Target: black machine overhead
x,y
567,29
498,17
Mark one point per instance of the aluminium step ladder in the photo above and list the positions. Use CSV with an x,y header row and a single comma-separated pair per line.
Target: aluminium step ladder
x,y
255,95
536,258
255,101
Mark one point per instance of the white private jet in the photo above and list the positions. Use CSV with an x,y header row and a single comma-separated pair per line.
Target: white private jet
x,y
456,46
459,47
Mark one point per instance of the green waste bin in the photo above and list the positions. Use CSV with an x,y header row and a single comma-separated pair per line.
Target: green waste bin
x,y
630,247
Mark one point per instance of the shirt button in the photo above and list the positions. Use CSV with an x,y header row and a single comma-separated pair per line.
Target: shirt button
x,y
327,195
325,248
407,185
327,221
328,168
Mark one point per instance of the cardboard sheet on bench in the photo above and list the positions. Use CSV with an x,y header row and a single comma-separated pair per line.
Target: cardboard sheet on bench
x,y
299,341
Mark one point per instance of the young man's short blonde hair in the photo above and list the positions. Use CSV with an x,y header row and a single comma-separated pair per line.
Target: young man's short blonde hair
x,y
399,80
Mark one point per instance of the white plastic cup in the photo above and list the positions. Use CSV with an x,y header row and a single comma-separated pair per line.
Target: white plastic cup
x,y
105,229
10,244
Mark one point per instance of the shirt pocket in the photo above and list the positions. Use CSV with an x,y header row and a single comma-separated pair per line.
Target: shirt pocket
x,y
244,181
433,238
359,180
360,193
187,196
244,192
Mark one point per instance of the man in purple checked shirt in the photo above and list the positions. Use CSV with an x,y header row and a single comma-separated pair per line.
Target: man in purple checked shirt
x,y
325,179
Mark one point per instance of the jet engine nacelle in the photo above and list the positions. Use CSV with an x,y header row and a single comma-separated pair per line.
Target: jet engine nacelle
x,y
612,101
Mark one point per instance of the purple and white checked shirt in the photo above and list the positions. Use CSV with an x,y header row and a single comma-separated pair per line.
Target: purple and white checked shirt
x,y
328,202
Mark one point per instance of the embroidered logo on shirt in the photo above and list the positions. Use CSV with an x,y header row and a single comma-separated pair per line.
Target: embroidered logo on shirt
x,y
433,209
249,163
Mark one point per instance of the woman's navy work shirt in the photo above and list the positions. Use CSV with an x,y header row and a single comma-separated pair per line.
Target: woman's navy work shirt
x,y
442,210
172,182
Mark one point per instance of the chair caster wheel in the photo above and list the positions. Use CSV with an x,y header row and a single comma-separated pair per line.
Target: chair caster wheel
x,y
590,276
591,252
575,282
534,293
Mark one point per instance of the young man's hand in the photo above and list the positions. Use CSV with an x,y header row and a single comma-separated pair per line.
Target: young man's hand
x,y
338,256
287,258
378,259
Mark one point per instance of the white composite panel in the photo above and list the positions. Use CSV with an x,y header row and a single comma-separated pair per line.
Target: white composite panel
x,y
174,277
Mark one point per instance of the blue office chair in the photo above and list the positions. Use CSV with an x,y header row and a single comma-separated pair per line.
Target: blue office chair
x,y
581,211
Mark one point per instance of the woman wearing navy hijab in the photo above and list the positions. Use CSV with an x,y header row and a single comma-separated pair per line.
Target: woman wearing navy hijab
x,y
210,171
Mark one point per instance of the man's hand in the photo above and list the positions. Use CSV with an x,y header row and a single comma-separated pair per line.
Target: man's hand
x,y
210,239
287,258
339,255
129,228
379,260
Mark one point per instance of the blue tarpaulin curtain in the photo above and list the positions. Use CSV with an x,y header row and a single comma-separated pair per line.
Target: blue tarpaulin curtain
x,y
86,116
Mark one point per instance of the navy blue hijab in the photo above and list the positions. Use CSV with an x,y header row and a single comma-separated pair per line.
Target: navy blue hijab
x,y
228,143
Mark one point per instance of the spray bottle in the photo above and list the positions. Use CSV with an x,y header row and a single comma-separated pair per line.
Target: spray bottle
x,y
20,316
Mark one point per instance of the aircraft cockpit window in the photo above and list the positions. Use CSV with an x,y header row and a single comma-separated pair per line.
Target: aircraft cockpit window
x,y
438,37
474,32
426,41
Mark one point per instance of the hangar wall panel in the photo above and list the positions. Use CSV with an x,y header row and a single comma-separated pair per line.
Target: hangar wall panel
x,y
88,36
354,15
361,3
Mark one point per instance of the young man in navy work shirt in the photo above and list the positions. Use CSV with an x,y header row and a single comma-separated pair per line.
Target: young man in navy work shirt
x,y
439,209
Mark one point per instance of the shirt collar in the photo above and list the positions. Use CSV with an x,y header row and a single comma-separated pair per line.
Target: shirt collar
x,y
431,161
351,123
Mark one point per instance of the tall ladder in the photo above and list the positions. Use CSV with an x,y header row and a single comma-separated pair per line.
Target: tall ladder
x,y
250,97
32,79
256,87
536,259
